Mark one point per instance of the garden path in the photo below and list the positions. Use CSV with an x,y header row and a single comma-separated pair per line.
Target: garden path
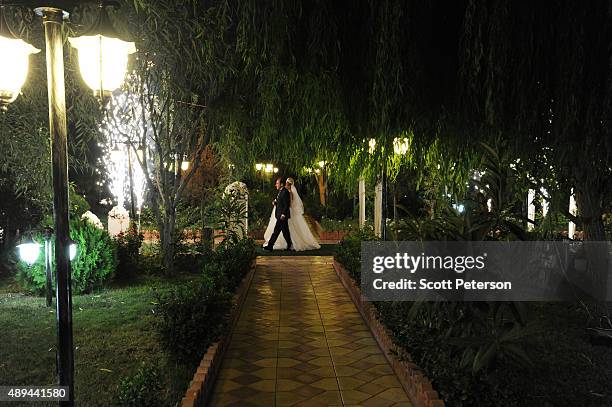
x,y
300,341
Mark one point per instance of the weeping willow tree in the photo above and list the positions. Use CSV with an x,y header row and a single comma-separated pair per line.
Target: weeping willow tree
x,y
540,74
320,79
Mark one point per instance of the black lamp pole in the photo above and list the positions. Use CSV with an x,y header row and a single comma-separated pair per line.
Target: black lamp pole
x,y
53,19
48,234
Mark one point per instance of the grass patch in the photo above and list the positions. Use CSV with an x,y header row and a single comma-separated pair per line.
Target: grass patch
x,y
113,336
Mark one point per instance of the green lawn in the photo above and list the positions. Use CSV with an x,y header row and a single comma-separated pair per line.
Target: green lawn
x,y
113,335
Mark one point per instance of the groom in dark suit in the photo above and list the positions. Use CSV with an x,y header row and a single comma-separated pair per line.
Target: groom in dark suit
x,y
282,213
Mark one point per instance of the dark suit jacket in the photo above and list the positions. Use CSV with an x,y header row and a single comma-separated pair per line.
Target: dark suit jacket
x,y
282,204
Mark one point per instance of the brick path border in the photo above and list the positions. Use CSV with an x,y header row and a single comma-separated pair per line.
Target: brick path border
x,y
201,385
413,380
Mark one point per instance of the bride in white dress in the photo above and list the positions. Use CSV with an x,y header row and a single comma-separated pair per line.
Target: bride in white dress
x,y
301,236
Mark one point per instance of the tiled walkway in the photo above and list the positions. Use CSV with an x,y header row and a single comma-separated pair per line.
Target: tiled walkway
x,y
300,341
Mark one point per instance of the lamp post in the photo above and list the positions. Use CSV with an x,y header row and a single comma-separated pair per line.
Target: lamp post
x,y
102,66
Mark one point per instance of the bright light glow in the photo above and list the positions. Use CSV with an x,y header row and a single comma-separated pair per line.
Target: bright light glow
x,y
318,171
400,145
321,164
185,165
489,204
29,252
275,170
530,208
102,61
72,251
124,128
545,203
15,55
573,209
459,207
269,167
258,166
371,145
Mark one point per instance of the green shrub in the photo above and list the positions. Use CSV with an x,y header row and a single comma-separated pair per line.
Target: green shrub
x,y
191,317
340,225
459,345
235,260
128,251
143,389
94,264
348,252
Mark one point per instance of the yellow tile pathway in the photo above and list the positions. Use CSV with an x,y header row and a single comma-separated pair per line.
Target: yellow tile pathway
x,y
300,341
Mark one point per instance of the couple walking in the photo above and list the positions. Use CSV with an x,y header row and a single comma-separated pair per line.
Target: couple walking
x,y
288,218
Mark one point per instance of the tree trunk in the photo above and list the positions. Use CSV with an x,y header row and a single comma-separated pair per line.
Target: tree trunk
x,y
167,237
589,202
322,189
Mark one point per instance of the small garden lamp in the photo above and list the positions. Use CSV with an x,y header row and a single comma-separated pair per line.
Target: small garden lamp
x,y
72,251
15,56
29,252
103,55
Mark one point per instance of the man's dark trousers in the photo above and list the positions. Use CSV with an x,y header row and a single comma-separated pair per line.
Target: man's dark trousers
x,y
282,225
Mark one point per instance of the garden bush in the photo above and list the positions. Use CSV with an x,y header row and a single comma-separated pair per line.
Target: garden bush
x,y
193,315
94,264
143,389
456,344
348,252
128,251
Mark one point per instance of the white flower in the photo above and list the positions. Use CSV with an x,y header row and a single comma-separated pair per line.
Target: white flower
x,y
93,219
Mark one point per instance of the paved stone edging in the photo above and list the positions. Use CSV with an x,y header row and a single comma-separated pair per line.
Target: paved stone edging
x,y
417,385
203,380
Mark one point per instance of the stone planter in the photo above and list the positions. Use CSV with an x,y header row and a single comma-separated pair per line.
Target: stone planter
x,y
413,380
201,385
332,234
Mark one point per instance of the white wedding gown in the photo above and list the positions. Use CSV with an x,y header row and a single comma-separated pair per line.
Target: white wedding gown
x,y
301,236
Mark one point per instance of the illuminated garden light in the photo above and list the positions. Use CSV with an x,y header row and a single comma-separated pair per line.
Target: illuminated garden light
x,y
29,252
103,56
16,59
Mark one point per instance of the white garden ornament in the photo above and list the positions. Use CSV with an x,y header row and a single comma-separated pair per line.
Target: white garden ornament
x,y
118,221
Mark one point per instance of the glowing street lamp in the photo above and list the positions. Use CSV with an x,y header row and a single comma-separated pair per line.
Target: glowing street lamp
x,y
269,168
29,252
185,165
16,57
258,166
103,56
